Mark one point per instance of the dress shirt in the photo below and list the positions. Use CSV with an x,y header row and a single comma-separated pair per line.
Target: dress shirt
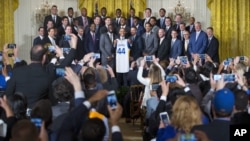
x,y
186,44
52,41
41,37
124,26
197,35
172,42
161,39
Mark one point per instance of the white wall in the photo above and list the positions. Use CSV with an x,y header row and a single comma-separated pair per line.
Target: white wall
x,y
26,26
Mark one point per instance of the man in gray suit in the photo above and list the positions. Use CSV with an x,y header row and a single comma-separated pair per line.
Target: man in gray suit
x,y
107,48
150,40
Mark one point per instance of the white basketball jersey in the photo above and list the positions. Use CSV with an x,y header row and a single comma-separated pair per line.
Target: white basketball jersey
x,y
122,56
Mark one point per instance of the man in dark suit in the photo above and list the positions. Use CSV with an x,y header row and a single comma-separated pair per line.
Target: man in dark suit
x,y
136,44
50,39
185,43
107,47
212,49
168,27
150,40
70,15
53,17
80,49
190,27
198,40
178,20
84,20
104,29
116,20
103,15
181,32
39,38
61,29
176,46
140,28
223,105
65,38
161,20
123,25
164,46
147,13
130,20
92,40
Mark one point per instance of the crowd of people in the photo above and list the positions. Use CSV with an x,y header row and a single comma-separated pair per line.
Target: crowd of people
x,y
68,91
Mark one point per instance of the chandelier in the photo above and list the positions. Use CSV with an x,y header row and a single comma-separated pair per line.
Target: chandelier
x,y
42,11
181,10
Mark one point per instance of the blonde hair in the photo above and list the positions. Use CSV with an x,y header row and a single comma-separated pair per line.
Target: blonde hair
x,y
240,68
186,113
154,74
102,75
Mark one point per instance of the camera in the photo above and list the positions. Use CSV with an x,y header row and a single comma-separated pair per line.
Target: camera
x,y
97,56
171,78
229,77
148,58
66,38
217,77
11,46
52,49
66,50
183,59
202,56
60,71
112,100
154,87
164,118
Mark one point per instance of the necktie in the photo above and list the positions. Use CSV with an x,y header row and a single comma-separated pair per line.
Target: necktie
x,y
172,43
131,21
162,21
111,37
191,27
197,35
209,41
70,20
85,22
117,21
93,36
177,26
181,35
54,18
186,45
147,35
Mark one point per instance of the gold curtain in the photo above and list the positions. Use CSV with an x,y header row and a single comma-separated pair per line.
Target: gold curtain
x,y
7,21
231,22
112,5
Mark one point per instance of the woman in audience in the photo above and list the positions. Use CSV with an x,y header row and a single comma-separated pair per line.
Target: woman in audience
x,y
104,75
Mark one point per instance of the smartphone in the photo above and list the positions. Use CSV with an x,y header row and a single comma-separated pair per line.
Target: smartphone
x,y
97,56
60,71
171,78
104,67
165,118
112,99
183,59
154,87
37,122
187,137
242,58
228,61
229,77
217,77
202,56
51,48
66,38
1,66
11,46
66,50
149,58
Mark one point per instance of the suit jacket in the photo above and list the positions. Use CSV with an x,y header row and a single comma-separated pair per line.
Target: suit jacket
x,y
213,49
90,44
140,30
37,41
176,49
164,49
176,27
129,20
31,80
199,45
185,52
114,22
137,47
150,43
63,43
47,41
103,29
60,31
107,48
190,30
57,24
168,32
80,49
158,23
80,21
217,130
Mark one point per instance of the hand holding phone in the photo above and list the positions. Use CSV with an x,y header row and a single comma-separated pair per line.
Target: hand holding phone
x,y
164,118
66,37
171,78
154,87
97,56
11,46
60,71
229,77
52,49
183,60
149,58
112,99
217,77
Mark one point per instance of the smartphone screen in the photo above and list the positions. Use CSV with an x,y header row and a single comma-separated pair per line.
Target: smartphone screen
x,y
202,56
187,137
154,87
60,71
229,77
148,58
217,77
242,58
66,50
112,100
171,78
97,56
66,37
51,48
164,117
11,46
183,59
37,122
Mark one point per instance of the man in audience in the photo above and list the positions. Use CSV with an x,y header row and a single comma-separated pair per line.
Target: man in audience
x,y
190,27
161,20
164,46
212,48
92,40
136,44
107,47
70,15
53,17
169,27
130,20
147,13
198,41
84,20
39,38
150,40
176,46
116,20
